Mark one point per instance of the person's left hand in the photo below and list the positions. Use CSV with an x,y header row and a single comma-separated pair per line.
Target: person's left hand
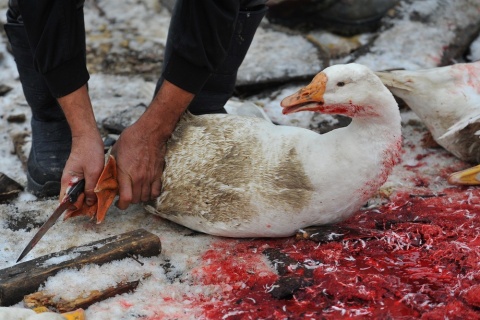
x,y
140,150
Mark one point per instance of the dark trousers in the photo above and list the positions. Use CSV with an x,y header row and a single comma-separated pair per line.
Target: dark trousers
x,y
211,99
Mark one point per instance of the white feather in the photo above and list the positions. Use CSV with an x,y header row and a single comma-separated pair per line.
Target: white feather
x,y
239,176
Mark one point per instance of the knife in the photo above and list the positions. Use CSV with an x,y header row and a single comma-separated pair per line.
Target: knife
x,y
71,197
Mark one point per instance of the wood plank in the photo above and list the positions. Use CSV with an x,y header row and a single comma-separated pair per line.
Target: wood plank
x,y
26,277
51,302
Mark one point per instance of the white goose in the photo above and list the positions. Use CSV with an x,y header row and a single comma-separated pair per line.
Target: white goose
x,y
447,100
245,177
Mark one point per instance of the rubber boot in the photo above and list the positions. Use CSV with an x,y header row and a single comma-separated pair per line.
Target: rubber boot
x,y
51,135
221,84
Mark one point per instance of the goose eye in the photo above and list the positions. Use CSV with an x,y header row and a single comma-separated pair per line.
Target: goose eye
x,y
340,84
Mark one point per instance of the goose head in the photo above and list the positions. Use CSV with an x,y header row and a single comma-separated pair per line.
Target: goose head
x,y
351,90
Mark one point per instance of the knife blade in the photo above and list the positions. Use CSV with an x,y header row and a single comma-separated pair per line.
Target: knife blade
x,y
71,197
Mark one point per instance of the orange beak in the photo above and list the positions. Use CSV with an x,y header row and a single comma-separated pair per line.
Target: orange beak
x,y
105,190
467,177
309,98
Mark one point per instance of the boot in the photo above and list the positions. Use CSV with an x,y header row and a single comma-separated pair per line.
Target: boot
x,y
345,17
51,144
221,84
51,136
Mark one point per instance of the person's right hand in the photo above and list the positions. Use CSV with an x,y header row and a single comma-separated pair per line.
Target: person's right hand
x,y
86,161
87,155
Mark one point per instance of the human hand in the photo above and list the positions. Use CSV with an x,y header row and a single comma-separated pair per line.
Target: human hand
x,y
140,160
140,150
86,158
86,161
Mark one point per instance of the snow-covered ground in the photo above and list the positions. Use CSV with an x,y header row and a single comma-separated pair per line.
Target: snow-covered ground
x,y
178,283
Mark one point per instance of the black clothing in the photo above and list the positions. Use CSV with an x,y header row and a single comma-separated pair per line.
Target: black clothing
x,y
37,93
51,135
220,84
56,36
206,44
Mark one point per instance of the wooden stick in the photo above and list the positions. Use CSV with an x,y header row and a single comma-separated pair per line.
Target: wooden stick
x,y
42,299
26,277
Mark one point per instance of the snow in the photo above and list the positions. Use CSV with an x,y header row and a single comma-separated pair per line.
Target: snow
x,y
259,65
475,50
172,285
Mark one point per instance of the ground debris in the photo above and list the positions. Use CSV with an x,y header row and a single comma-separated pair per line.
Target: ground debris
x,y
4,89
335,233
445,30
286,287
118,122
50,301
17,118
9,188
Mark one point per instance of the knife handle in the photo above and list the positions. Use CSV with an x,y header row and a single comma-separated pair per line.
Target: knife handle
x,y
76,190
